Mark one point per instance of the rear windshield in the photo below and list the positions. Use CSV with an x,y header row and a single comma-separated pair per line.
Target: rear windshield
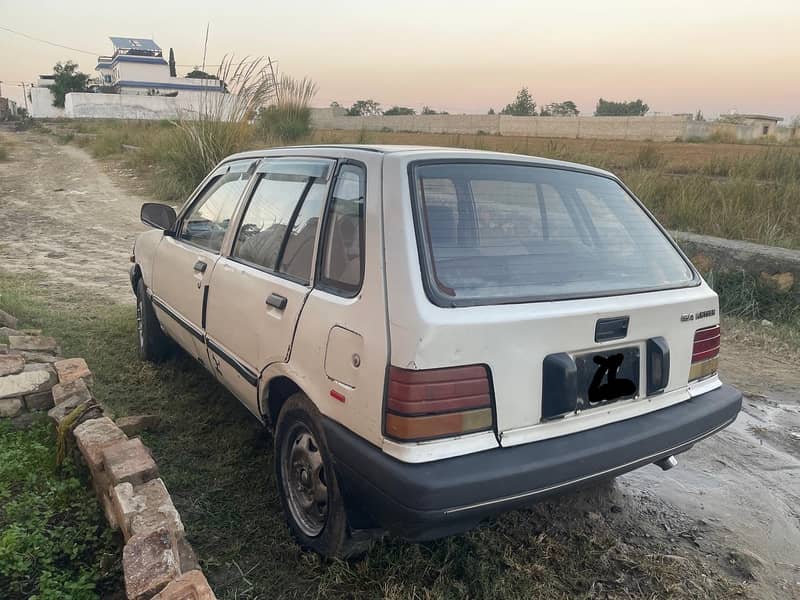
x,y
495,232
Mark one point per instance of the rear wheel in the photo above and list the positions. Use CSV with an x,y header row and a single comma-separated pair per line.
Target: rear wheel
x,y
153,343
309,490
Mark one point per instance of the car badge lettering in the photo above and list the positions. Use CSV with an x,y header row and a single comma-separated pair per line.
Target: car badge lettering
x,y
703,314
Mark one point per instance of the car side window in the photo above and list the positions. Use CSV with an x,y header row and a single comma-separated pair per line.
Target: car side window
x,y
279,227
208,220
343,246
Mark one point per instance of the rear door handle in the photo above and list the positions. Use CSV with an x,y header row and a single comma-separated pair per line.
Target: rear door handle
x,y
277,301
200,266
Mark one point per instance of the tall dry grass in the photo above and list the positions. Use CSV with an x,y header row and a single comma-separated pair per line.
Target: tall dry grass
x,y
288,118
221,124
745,192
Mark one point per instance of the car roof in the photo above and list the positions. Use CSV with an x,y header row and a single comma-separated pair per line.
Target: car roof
x,y
429,151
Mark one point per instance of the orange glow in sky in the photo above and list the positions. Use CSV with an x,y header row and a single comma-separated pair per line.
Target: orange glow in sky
x,y
464,56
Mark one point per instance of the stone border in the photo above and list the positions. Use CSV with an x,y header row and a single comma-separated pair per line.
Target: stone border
x,y
776,268
157,561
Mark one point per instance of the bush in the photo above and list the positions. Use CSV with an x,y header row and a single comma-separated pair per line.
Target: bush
x,y
288,119
743,295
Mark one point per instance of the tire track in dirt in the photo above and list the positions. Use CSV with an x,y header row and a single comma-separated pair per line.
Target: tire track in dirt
x,y
64,218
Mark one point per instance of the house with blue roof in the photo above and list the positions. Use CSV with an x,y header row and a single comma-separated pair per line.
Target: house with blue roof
x,y
137,66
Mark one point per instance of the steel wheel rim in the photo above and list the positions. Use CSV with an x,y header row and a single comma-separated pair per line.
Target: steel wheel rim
x,y
139,323
304,480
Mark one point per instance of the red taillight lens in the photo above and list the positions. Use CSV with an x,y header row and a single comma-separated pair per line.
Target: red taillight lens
x,y
705,352
438,403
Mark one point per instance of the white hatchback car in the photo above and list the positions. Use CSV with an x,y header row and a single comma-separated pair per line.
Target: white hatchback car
x,y
435,335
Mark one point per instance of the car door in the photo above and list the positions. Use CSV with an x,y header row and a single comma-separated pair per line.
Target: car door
x,y
259,288
185,259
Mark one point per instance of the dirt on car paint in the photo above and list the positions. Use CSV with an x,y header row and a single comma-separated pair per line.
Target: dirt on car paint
x,y
732,504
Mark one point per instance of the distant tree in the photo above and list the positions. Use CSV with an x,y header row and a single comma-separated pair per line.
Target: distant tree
x,y
523,105
609,108
172,71
699,115
364,108
560,109
427,110
335,104
196,73
67,79
491,112
399,110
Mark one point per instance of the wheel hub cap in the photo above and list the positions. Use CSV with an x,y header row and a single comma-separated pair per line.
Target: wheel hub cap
x,y
305,481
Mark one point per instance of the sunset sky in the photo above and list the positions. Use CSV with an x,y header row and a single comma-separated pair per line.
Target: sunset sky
x,y
463,56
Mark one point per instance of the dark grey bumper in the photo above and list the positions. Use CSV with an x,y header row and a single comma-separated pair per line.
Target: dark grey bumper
x,y
430,500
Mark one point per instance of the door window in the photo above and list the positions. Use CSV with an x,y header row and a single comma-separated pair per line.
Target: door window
x,y
279,227
343,258
208,220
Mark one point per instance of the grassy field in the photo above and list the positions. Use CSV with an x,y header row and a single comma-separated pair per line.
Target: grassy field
x,y
217,463
736,191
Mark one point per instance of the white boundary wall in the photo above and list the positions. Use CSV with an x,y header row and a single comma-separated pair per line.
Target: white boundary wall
x,y
625,128
42,104
187,105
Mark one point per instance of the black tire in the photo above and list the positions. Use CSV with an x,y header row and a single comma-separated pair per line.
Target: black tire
x,y
154,345
324,530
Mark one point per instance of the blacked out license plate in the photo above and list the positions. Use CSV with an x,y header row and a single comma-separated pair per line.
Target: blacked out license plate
x,y
608,376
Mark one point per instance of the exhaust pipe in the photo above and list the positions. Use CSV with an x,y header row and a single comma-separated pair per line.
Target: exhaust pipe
x,y
667,463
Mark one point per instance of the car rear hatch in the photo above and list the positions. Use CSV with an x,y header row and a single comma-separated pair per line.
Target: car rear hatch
x,y
563,285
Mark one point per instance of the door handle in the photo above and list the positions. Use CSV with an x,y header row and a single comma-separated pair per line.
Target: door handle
x,y
277,301
200,266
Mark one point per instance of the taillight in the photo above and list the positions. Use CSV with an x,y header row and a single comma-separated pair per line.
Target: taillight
x,y
423,405
705,353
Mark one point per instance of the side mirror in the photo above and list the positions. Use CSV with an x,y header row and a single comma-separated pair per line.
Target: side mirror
x,y
157,215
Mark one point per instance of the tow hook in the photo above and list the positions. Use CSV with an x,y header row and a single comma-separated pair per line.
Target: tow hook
x,y
667,463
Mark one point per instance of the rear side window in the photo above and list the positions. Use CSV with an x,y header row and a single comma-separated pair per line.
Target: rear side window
x,y
279,227
208,220
494,232
342,264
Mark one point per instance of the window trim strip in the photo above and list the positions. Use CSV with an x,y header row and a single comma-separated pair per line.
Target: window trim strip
x,y
246,372
178,318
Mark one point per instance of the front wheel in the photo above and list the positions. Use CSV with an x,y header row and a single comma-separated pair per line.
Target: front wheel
x,y
153,342
307,484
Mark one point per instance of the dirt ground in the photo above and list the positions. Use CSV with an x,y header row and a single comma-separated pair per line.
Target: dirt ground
x,y
734,499
63,215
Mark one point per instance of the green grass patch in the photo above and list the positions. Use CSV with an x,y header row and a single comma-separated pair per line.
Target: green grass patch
x,y
54,541
745,297
217,462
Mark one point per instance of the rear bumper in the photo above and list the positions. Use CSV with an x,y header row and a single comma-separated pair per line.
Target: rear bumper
x,y
430,500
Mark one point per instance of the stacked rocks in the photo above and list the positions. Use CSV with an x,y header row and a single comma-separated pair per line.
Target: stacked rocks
x,y
27,370
157,560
